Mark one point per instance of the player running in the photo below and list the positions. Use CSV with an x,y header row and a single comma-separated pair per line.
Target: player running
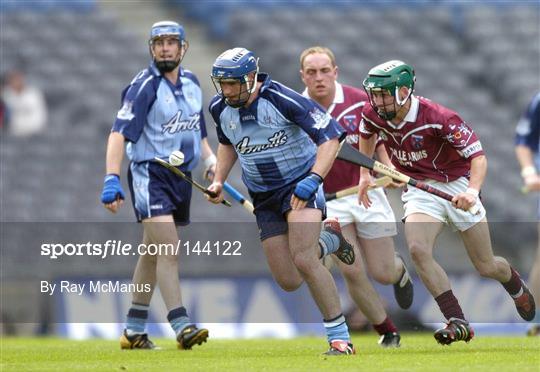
x,y
432,143
161,112
528,155
286,144
369,229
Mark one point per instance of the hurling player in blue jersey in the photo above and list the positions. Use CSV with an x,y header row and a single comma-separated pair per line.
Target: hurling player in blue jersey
x,y
286,144
528,155
161,112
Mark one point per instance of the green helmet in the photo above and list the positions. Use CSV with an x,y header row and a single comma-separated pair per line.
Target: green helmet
x,y
389,76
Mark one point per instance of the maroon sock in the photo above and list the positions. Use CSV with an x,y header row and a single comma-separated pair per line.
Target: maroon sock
x,y
449,305
387,326
513,286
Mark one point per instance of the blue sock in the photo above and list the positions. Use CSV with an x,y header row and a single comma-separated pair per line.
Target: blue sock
x,y
136,318
179,319
328,242
336,329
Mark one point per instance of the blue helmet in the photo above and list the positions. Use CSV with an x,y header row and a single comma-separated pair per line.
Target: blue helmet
x,y
236,65
168,29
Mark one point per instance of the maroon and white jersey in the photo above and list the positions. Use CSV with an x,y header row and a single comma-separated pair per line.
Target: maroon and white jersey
x,y
432,142
347,110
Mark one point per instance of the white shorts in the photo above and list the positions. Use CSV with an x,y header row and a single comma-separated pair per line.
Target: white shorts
x,y
419,201
377,221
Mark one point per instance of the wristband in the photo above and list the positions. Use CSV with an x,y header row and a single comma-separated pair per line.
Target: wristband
x,y
527,171
472,191
112,174
317,176
209,161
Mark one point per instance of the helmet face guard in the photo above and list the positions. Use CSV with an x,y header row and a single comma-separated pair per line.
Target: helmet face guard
x,y
236,66
388,78
247,86
168,29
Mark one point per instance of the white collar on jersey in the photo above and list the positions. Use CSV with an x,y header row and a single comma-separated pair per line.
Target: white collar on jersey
x,y
339,97
411,116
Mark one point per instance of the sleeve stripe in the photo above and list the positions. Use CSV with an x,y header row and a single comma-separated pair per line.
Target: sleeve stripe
x,y
144,84
349,109
285,97
380,128
214,104
436,126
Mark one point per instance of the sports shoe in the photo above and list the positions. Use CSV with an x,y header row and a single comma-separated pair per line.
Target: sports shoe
x,y
525,304
534,330
136,341
455,330
403,288
345,252
390,339
191,335
340,347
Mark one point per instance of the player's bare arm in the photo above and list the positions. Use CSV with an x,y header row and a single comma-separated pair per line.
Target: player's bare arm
x,y
209,159
382,156
367,147
226,157
326,153
528,171
115,154
467,199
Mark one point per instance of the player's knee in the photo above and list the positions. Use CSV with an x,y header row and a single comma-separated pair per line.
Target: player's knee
x,y
289,283
304,262
354,275
419,251
149,258
383,276
167,259
487,270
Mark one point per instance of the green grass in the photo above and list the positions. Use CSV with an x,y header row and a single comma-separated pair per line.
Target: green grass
x,y
419,352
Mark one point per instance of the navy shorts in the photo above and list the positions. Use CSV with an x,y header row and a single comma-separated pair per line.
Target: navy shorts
x,y
156,191
271,208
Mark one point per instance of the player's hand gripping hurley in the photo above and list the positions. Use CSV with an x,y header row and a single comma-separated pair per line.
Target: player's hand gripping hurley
x,y
235,194
181,174
350,154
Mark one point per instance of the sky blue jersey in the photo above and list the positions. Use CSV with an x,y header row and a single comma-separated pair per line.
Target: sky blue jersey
x,y
528,128
158,117
276,137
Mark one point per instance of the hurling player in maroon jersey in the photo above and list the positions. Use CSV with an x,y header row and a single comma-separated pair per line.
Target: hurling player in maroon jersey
x,y
370,230
432,143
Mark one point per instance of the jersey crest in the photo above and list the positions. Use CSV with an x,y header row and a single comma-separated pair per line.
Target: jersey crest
x,y
417,141
351,122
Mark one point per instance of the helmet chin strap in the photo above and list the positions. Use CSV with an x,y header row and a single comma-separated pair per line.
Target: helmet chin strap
x,y
166,66
402,102
252,88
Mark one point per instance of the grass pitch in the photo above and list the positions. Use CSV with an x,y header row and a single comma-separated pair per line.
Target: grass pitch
x,y
419,352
